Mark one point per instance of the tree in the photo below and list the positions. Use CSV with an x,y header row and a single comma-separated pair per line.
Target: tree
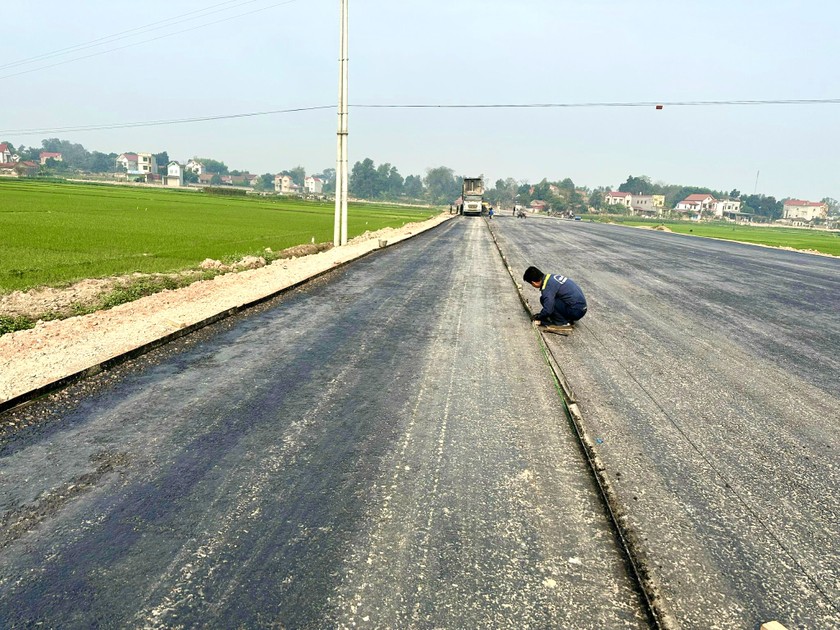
x,y
413,187
363,180
392,181
162,159
216,180
833,205
213,166
328,176
265,182
734,194
763,206
441,185
101,162
637,186
191,177
298,175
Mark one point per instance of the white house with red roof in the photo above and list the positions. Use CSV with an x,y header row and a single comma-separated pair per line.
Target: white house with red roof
x,y
5,153
313,185
804,210
127,161
699,202
615,197
49,155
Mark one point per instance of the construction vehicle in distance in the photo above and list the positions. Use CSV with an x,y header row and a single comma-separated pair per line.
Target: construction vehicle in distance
x,y
472,196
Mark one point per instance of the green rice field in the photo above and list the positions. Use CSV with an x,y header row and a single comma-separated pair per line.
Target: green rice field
x,y
52,233
818,240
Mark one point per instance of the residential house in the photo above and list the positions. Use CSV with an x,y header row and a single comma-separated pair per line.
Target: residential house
x,y
174,177
614,198
243,179
538,205
49,155
314,185
285,185
5,153
647,205
138,164
147,164
728,209
725,207
195,166
19,169
794,209
695,205
205,178
128,162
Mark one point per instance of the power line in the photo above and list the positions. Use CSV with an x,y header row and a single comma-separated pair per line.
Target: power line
x,y
176,121
160,123
815,101
146,41
124,34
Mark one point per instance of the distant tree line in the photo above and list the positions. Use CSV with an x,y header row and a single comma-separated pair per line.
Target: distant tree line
x,y
440,185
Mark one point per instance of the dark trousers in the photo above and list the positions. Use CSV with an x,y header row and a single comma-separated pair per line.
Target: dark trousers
x,y
565,314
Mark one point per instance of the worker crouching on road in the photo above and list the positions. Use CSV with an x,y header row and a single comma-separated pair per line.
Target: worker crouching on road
x,y
562,300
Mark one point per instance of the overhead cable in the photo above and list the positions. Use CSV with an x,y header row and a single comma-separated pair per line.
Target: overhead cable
x,y
146,41
153,26
176,121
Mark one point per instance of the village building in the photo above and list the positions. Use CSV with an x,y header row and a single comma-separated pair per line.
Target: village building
x,y
138,165
195,166
49,155
804,211
615,198
647,205
314,185
285,185
174,177
5,153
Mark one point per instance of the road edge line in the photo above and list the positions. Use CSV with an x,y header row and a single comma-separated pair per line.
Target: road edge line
x,y
635,557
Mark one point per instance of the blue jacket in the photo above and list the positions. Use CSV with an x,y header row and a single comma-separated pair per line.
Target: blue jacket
x,y
560,288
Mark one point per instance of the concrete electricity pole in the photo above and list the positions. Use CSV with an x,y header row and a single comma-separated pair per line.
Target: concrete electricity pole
x,y
341,169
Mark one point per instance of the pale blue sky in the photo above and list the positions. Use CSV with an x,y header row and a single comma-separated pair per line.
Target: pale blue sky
x,y
461,52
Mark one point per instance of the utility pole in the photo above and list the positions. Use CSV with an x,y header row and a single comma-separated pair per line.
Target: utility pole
x,y
341,169
755,188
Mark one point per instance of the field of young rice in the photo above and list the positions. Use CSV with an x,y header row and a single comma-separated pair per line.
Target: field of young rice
x,y
797,238
52,233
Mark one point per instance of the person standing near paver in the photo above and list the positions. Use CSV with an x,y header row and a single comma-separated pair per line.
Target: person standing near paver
x,y
562,300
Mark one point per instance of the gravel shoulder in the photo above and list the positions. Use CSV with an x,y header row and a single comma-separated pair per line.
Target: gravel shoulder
x,y
53,350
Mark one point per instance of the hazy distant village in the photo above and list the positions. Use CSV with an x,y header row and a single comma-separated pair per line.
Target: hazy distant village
x,y
635,197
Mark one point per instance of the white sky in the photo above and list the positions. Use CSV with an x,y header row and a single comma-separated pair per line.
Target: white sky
x,y
456,52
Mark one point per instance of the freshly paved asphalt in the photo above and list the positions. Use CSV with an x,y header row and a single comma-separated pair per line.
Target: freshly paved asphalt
x,y
382,448
707,373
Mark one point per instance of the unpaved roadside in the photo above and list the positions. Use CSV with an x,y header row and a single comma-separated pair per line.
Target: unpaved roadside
x,y
31,359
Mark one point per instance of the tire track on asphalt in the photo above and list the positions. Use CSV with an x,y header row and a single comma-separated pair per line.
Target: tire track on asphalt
x,y
194,566
351,596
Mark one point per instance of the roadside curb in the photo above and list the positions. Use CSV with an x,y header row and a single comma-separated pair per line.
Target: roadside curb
x,y
29,396
633,553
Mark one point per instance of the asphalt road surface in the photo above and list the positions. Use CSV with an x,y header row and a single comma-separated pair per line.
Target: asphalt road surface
x,y
708,373
383,448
